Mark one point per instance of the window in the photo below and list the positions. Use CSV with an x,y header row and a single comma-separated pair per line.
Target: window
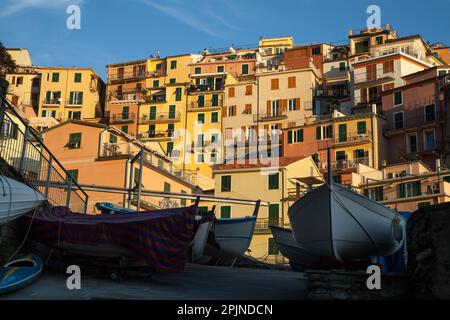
x,y
245,69
200,158
169,148
214,138
72,175
231,92
215,100
398,98
272,247
155,83
388,66
76,98
291,82
274,214
152,131
125,113
198,70
274,84
75,115
316,51
19,80
318,133
360,154
231,111
124,129
249,90
442,73
112,139
292,104
172,111
362,47
429,140
376,194
412,189
166,187
275,108
295,136
9,129
213,158
55,77
183,201
248,109
77,77
201,101
170,129
398,120
341,156
379,40
152,114
220,69
178,94
226,184
201,118
273,180
430,113
214,117
173,64
342,66
362,127
74,141
411,143
172,81
342,133
225,212
200,140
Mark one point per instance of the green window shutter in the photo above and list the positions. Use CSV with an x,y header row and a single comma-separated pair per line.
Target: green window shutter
x,y
402,190
173,81
178,94
77,77
166,187
170,129
155,83
80,98
169,148
226,183
417,189
215,100
340,156
74,140
362,127
214,117
152,130
300,135
245,69
183,201
272,247
274,214
112,139
173,64
124,129
43,113
198,70
220,69
172,112
48,95
342,133
136,176
72,174
318,133
201,101
54,114
290,138
225,212
152,113
55,77
71,97
274,183
329,130
201,118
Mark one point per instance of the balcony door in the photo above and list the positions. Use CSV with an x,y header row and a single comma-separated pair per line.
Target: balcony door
x,y
275,107
126,113
152,115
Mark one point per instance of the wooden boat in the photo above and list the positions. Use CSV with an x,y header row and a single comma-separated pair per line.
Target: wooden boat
x,y
19,273
232,236
109,208
335,222
289,248
16,199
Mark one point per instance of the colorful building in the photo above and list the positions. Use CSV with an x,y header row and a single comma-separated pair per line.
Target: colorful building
x,y
268,181
98,155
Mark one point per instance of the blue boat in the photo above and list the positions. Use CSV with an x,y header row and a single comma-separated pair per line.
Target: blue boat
x,y
109,208
20,273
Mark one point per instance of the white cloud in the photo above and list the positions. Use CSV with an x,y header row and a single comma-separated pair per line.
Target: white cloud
x,y
14,6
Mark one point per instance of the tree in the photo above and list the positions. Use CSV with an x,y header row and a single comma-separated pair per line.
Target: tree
x,y
7,65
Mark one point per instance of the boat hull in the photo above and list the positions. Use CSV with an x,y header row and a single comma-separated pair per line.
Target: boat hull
x,y
16,199
14,276
335,222
233,237
291,250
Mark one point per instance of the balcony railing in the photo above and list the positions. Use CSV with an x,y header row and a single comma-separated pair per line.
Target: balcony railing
x,y
205,88
369,77
352,138
270,116
123,118
345,164
160,117
74,104
156,99
27,154
157,135
194,105
135,75
263,224
51,102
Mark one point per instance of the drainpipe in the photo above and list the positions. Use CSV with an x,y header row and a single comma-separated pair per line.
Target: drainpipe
x,y
283,173
257,118
141,163
185,129
373,140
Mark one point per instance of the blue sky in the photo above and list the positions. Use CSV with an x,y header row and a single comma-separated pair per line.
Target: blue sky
x,y
120,30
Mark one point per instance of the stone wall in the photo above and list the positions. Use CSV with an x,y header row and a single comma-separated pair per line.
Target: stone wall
x,y
429,252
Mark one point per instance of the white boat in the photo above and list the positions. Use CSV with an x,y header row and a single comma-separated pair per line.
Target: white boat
x,y
232,236
16,199
289,248
335,222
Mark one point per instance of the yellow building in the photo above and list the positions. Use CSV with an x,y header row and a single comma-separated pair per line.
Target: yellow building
x,y
275,45
70,93
270,180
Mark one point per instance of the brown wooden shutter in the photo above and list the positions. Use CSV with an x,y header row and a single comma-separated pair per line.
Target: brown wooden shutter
x,y
234,110
285,104
269,107
297,104
224,112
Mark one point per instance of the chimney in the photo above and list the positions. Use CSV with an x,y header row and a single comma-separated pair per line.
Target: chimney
x,y
438,164
388,26
374,108
350,32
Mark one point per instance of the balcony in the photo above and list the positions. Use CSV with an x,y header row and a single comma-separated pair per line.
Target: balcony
x,y
201,88
123,118
262,117
135,76
263,224
157,135
161,117
345,164
55,103
137,95
370,79
156,98
207,105
74,104
412,121
353,138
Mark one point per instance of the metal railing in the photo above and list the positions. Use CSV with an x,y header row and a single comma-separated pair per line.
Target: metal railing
x,y
265,223
123,117
195,105
206,87
352,137
23,150
158,134
161,117
345,164
140,74
269,116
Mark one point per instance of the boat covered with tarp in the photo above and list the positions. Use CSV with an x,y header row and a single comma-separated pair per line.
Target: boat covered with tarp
x,y
160,238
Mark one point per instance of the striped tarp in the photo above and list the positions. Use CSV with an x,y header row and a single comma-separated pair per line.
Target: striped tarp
x,y
160,239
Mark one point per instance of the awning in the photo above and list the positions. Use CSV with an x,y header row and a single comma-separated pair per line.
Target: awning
x,y
309,180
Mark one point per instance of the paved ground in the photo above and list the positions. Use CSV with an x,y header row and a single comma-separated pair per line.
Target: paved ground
x,y
197,282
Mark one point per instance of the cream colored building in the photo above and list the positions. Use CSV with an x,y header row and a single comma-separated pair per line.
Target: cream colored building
x,y
271,182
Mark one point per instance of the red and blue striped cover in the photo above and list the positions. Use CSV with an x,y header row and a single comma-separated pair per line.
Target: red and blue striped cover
x,y
160,239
